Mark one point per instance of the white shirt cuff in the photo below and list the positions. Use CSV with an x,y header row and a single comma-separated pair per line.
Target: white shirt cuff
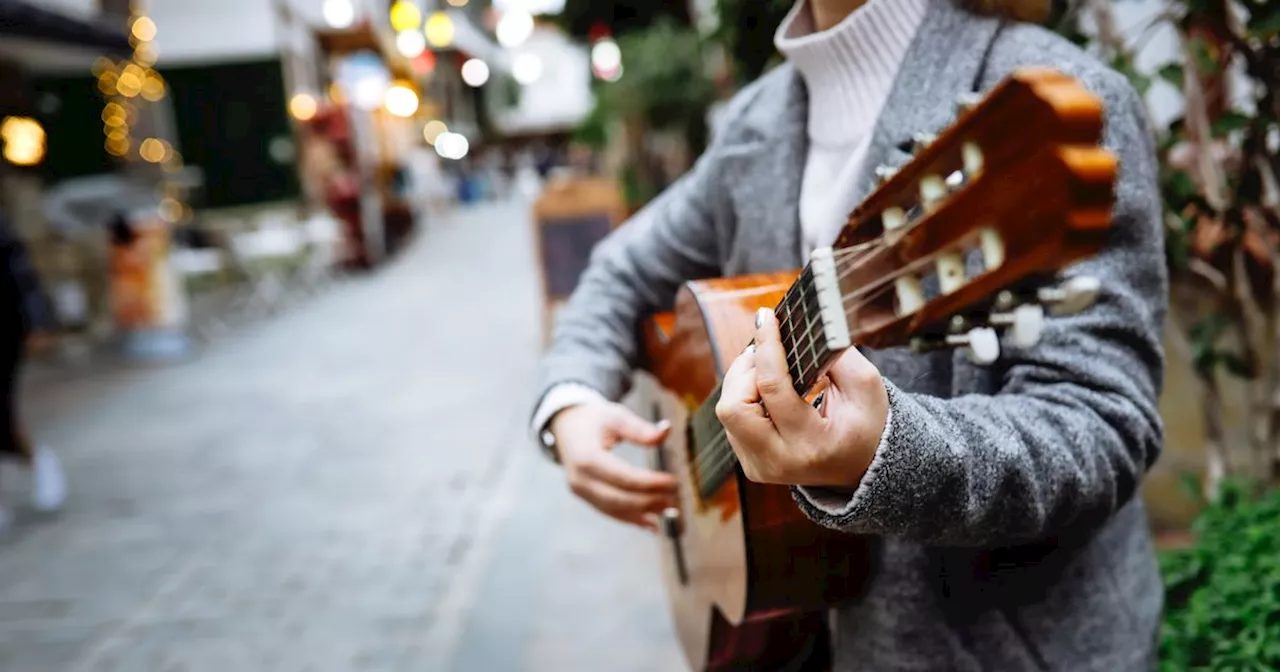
x,y
557,399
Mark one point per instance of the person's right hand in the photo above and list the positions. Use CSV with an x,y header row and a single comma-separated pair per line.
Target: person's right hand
x,y
585,434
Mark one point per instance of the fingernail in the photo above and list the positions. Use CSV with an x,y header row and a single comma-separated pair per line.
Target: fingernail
x,y
751,348
663,425
761,316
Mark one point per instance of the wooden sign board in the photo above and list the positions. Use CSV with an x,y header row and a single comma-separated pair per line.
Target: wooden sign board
x,y
570,217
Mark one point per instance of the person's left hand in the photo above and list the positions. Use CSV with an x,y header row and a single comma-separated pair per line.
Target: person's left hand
x,y
786,440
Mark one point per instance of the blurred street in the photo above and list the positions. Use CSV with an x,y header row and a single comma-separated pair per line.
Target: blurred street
x,y
345,486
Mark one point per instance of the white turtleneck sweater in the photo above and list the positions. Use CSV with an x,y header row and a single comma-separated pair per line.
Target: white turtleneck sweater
x,y
848,70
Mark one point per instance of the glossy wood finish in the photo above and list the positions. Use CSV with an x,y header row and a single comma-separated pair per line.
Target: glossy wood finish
x,y
749,552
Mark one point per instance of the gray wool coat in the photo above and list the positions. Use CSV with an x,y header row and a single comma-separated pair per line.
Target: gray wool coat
x,y
1006,497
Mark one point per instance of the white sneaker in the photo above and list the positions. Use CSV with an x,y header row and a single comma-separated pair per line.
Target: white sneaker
x,y
48,484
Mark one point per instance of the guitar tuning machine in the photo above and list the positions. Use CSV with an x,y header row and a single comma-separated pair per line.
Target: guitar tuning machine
x,y
966,102
982,344
885,173
1072,296
919,141
1024,324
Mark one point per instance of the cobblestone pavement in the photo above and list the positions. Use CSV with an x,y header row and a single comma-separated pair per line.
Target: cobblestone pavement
x,y
345,486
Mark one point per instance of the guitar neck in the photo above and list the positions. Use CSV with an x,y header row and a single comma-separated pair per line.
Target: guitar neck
x,y
814,330
811,321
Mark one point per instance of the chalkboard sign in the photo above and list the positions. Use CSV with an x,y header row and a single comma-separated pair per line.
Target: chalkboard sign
x,y
566,249
572,216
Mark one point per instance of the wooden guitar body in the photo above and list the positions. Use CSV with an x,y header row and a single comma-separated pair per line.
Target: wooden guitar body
x,y
746,560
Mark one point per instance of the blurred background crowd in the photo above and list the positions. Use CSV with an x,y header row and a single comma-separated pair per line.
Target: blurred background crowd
x,y
300,258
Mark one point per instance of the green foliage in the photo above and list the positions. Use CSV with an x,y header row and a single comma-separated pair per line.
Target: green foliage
x,y
663,80
1222,596
746,29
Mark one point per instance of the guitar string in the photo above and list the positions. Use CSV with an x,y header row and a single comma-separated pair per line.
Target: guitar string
x,y
717,454
711,451
717,457
718,449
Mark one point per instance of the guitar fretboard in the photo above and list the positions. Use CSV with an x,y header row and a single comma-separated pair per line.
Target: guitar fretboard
x,y
804,340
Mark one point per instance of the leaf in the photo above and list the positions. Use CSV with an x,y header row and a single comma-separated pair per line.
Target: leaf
x,y
1174,74
1266,26
1230,121
1235,364
1206,64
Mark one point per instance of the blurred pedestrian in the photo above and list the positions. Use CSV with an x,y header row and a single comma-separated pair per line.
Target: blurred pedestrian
x,y
24,328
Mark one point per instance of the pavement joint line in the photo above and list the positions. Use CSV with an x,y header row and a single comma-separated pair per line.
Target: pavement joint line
x,y
116,635
497,505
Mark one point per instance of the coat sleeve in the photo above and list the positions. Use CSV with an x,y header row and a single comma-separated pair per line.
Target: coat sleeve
x,y
1074,424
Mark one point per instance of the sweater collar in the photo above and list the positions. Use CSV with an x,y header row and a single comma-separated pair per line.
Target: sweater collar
x,y
849,69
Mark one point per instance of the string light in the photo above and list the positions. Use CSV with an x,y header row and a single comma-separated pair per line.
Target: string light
x,y
122,83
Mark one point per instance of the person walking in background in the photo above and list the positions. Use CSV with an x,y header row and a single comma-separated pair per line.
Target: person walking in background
x,y
23,328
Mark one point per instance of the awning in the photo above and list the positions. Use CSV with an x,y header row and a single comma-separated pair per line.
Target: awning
x,y
20,18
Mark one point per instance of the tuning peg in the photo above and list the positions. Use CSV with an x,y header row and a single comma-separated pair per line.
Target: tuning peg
x,y
921,140
885,173
966,102
981,343
1072,296
1025,324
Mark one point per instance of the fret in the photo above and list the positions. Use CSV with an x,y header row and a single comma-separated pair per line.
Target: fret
x,y
804,340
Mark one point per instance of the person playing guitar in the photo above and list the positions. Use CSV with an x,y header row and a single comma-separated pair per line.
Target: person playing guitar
x,y
1004,499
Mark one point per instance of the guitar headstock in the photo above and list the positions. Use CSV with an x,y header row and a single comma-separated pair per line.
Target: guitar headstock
x,y
962,244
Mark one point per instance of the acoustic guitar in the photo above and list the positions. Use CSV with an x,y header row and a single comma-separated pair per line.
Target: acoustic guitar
x,y
960,248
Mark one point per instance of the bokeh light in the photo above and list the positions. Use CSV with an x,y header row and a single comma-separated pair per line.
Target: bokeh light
x,y
450,145
339,13
24,141
433,130
514,28
439,30
144,29
405,16
411,43
526,68
402,101
475,72
303,106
